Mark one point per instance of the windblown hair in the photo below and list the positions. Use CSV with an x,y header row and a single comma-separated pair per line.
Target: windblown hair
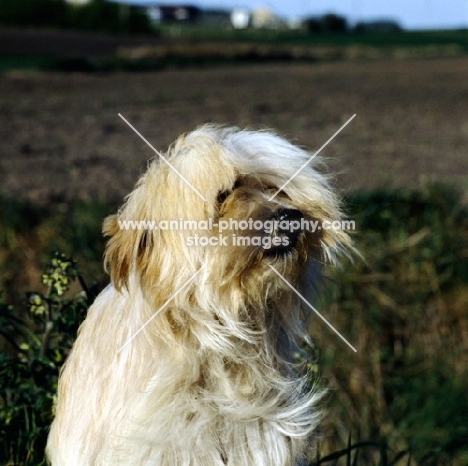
x,y
190,356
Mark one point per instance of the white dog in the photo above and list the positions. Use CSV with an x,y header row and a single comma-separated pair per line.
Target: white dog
x,y
191,357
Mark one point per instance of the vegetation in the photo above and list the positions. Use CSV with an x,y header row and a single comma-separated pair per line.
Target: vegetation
x,y
28,377
327,37
98,15
194,46
197,43
400,400
405,308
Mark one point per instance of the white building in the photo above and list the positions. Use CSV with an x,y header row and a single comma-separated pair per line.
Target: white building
x,y
240,18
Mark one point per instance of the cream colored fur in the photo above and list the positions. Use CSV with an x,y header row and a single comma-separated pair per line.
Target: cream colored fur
x,y
214,378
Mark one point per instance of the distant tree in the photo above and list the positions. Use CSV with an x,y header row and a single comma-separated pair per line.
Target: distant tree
x,y
327,23
334,23
98,15
41,13
111,17
313,24
378,26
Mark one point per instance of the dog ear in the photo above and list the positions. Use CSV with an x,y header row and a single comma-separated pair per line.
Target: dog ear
x,y
117,258
127,250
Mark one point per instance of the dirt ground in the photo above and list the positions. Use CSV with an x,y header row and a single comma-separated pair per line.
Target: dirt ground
x,y
60,43
62,139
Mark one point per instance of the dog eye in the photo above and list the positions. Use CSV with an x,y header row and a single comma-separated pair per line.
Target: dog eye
x,y
222,195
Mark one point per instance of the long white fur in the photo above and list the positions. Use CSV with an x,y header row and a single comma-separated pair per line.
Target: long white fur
x,y
207,382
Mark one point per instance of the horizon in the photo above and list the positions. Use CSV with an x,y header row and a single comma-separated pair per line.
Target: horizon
x,y
416,15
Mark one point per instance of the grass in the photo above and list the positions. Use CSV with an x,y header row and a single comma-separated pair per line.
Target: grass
x,y
400,400
195,45
404,308
29,234
303,37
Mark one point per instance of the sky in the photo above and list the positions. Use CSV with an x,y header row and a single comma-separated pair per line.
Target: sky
x,y
411,14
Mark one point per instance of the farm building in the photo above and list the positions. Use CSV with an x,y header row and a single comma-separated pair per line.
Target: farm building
x,y
171,13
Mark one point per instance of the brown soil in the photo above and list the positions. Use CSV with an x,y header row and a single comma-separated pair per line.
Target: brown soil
x,y
59,43
61,137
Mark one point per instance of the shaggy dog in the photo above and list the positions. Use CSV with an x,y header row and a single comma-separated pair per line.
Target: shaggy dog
x,y
191,356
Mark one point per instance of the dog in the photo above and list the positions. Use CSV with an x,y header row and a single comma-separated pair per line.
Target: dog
x,y
192,355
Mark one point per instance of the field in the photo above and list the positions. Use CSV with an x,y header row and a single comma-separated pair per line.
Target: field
x,y
67,160
62,138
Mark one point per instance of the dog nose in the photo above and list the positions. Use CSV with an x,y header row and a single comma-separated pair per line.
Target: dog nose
x,y
288,215
288,229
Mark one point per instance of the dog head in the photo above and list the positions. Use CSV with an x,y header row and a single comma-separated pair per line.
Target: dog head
x,y
230,209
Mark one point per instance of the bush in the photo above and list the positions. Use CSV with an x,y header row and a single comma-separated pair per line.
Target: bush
x,y
29,369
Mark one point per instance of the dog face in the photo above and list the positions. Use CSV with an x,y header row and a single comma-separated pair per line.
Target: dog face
x,y
245,197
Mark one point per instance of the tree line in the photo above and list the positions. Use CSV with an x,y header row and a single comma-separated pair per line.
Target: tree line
x,y
97,15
